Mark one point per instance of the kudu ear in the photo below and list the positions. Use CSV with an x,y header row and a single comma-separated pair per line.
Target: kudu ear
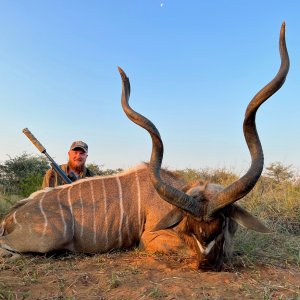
x,y
169,220
245,219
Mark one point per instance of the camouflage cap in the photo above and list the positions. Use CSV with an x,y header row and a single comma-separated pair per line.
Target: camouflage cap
x,y
79,144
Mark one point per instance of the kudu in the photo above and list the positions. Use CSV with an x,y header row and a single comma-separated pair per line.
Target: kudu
x,y
144,206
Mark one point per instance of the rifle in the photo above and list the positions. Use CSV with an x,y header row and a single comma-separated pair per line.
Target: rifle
x,y
42,149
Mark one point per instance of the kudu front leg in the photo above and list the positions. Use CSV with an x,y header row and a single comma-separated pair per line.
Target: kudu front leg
x,y
164,241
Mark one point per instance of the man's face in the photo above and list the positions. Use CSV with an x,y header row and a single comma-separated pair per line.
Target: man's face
x,y
77,158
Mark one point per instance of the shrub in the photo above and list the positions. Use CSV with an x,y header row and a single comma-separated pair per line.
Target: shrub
x,y
98,170
219,176
22,174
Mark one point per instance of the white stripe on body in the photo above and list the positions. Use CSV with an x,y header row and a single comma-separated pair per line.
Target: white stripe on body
x,y
121,210
139,202
105,214
71,209
62,213
82,212
2,227
15,219
94,213
44,215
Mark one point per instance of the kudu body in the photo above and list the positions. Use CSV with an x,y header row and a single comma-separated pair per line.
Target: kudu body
x,y
143,206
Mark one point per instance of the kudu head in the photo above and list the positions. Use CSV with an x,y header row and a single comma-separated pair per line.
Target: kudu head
x,y
210,210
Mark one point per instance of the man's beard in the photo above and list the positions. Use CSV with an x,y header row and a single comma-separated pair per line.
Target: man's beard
x,y
76,167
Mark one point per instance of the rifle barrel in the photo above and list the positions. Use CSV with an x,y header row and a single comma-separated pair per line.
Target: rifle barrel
x,y
42,149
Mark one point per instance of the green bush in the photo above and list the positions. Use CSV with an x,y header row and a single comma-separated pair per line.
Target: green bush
x,y
219,176
98,170
22,174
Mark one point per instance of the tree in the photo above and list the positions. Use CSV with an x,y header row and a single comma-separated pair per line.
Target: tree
x,y
219,176
98,170
22,174
279,172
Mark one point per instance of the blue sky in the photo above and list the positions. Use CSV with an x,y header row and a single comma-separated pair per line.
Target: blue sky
x,y
193,67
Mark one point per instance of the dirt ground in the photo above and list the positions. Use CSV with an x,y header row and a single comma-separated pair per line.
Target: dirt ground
x,y
138,275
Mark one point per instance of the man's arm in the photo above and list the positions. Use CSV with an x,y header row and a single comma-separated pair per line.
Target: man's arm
x,y
49,179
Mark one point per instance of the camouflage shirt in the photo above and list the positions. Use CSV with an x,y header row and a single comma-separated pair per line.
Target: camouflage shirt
x,y
52,179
